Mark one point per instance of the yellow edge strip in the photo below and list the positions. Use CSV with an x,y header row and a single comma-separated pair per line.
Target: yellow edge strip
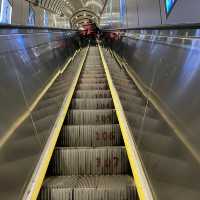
x,y
140,179
40,171
24,116
152,98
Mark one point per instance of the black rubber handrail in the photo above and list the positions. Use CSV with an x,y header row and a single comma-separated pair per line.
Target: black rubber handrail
x,y
160,27
12,26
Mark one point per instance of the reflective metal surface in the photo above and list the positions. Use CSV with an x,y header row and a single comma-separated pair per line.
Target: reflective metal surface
x,y
167,62
27,63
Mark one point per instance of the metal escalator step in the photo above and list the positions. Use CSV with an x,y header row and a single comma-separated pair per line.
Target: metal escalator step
x,y
58,188
93,68
92,80
92,94
93,72
88,188
99,86
92,76
93,60
92,135
91,117
89,161
100,103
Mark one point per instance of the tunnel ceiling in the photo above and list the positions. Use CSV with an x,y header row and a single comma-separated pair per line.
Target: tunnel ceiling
x,y
87,9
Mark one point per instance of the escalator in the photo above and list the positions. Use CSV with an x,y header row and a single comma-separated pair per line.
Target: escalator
x,y
90,159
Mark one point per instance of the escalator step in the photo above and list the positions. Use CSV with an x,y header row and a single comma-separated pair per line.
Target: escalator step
x,y
92,135
92,71
100,103
99,86
92,94
92,76
92,80
92,117
89,161
88,188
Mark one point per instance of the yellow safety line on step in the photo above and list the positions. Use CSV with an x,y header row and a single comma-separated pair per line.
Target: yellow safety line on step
x,y
40,171
27,113
155,99
140,179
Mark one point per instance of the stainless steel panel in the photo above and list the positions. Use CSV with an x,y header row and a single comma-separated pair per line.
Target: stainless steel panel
x,y
149,12
18,158
167,62
29,58
183,12
132,13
